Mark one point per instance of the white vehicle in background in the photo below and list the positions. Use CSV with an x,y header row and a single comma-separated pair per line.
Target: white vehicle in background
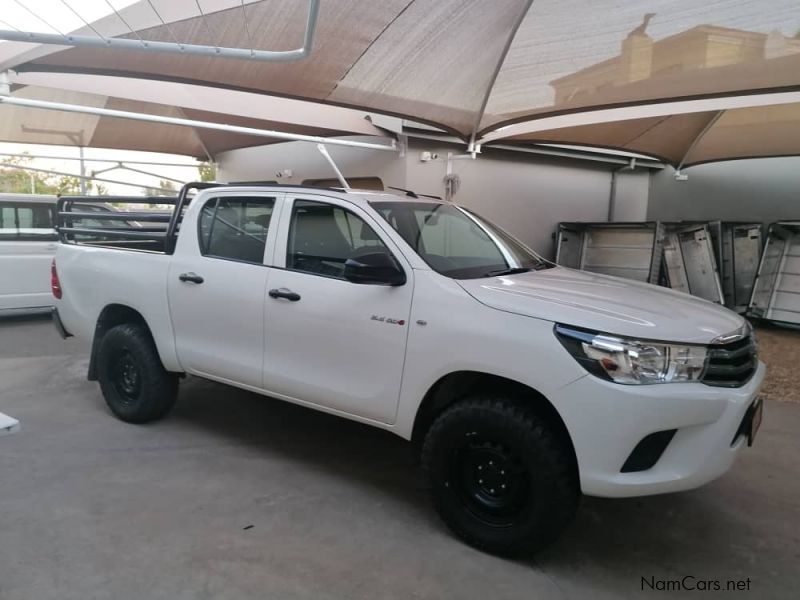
x,y
28,242
523,384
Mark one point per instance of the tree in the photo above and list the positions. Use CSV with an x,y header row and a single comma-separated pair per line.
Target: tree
x,y
17,180
207,171
69,185
165,188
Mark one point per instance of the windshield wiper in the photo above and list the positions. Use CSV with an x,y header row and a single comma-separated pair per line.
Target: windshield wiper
x,y
507,271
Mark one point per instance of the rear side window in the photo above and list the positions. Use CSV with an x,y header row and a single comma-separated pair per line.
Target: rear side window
x,y
323,236
27,221
235,228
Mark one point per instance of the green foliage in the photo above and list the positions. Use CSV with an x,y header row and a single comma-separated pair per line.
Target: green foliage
x,y
207,171
165,188
16,180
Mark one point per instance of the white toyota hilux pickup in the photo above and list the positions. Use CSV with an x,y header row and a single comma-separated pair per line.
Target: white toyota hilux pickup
x,y
523,385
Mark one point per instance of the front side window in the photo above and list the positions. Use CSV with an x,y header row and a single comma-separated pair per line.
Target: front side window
x,y
235,228
323,236
27,221
456,242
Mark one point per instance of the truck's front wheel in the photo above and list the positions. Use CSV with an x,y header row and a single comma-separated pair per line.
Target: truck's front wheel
x,y
135,384
499,476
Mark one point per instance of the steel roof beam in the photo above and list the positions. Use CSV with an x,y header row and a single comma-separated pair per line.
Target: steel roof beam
x,y
87,41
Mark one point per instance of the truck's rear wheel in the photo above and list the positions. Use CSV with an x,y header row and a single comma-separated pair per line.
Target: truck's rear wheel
x,y
499,476
135,384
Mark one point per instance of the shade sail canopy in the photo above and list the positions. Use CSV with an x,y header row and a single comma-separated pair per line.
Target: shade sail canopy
x,y
683,133
468,66
33,125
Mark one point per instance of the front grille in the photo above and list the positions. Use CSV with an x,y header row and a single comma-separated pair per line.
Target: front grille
x,y
731,365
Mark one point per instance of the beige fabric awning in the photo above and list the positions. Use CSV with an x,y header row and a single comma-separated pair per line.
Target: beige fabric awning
x,y
214,105
468,66
682,134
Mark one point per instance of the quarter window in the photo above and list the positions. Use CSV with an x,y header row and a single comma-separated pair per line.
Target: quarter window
x,y
323,236
235,228
27,222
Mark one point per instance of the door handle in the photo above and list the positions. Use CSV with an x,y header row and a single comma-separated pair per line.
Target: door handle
x,y
192,277
284,293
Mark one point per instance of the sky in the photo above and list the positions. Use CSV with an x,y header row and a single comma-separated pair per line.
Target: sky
x,y
58,16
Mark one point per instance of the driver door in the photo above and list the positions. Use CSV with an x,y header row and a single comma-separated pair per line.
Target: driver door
x,y
330,342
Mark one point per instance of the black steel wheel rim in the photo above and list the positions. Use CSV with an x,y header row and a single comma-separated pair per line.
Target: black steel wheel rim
x,y
126,377
493,482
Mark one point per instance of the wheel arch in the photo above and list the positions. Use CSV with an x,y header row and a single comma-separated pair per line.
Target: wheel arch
x,y
112,315
458,385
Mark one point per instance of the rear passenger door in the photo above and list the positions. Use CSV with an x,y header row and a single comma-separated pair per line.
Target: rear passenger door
x,y
331,342
217,283
28,243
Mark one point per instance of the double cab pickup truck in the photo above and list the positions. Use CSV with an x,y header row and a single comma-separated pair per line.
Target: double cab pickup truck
x,y
522,385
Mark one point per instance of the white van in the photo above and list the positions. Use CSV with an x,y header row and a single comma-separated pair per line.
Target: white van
x,y
28,243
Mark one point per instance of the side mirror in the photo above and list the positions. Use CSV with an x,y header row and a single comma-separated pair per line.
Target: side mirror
x,y
378,268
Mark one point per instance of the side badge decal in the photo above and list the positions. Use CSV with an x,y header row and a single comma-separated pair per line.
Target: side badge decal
x,y
400,322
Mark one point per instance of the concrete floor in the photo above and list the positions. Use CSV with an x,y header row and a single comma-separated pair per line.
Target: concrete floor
x,y
238,496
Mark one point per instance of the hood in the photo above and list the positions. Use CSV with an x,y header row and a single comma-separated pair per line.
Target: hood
x,y
607,304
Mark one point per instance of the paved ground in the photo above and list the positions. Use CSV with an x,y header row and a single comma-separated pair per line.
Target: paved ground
x,y
93,508
779,347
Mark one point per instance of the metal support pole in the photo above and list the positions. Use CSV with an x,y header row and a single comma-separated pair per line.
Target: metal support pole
x,y
87,177
83,171
123,114
101,160
123,167
612,197
139,44
324,151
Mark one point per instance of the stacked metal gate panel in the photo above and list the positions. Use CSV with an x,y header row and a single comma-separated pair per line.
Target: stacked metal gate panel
x,y
630,250
716,260
690,263
740,252
776,293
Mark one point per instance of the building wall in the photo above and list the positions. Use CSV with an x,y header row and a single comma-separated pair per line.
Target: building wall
x,y
262,163
764,190
632,193
526,194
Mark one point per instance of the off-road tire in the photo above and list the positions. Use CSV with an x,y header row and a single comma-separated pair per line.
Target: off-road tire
x,y
135,384
468,443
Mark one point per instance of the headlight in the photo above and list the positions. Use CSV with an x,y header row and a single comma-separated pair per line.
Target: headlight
x,y
629,361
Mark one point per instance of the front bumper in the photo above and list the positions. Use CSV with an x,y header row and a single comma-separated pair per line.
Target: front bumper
x,y
606,421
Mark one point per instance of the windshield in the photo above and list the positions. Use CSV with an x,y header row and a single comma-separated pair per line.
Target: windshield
x,y
457,242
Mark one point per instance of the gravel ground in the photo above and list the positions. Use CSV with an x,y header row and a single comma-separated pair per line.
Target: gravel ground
x,y
779,348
